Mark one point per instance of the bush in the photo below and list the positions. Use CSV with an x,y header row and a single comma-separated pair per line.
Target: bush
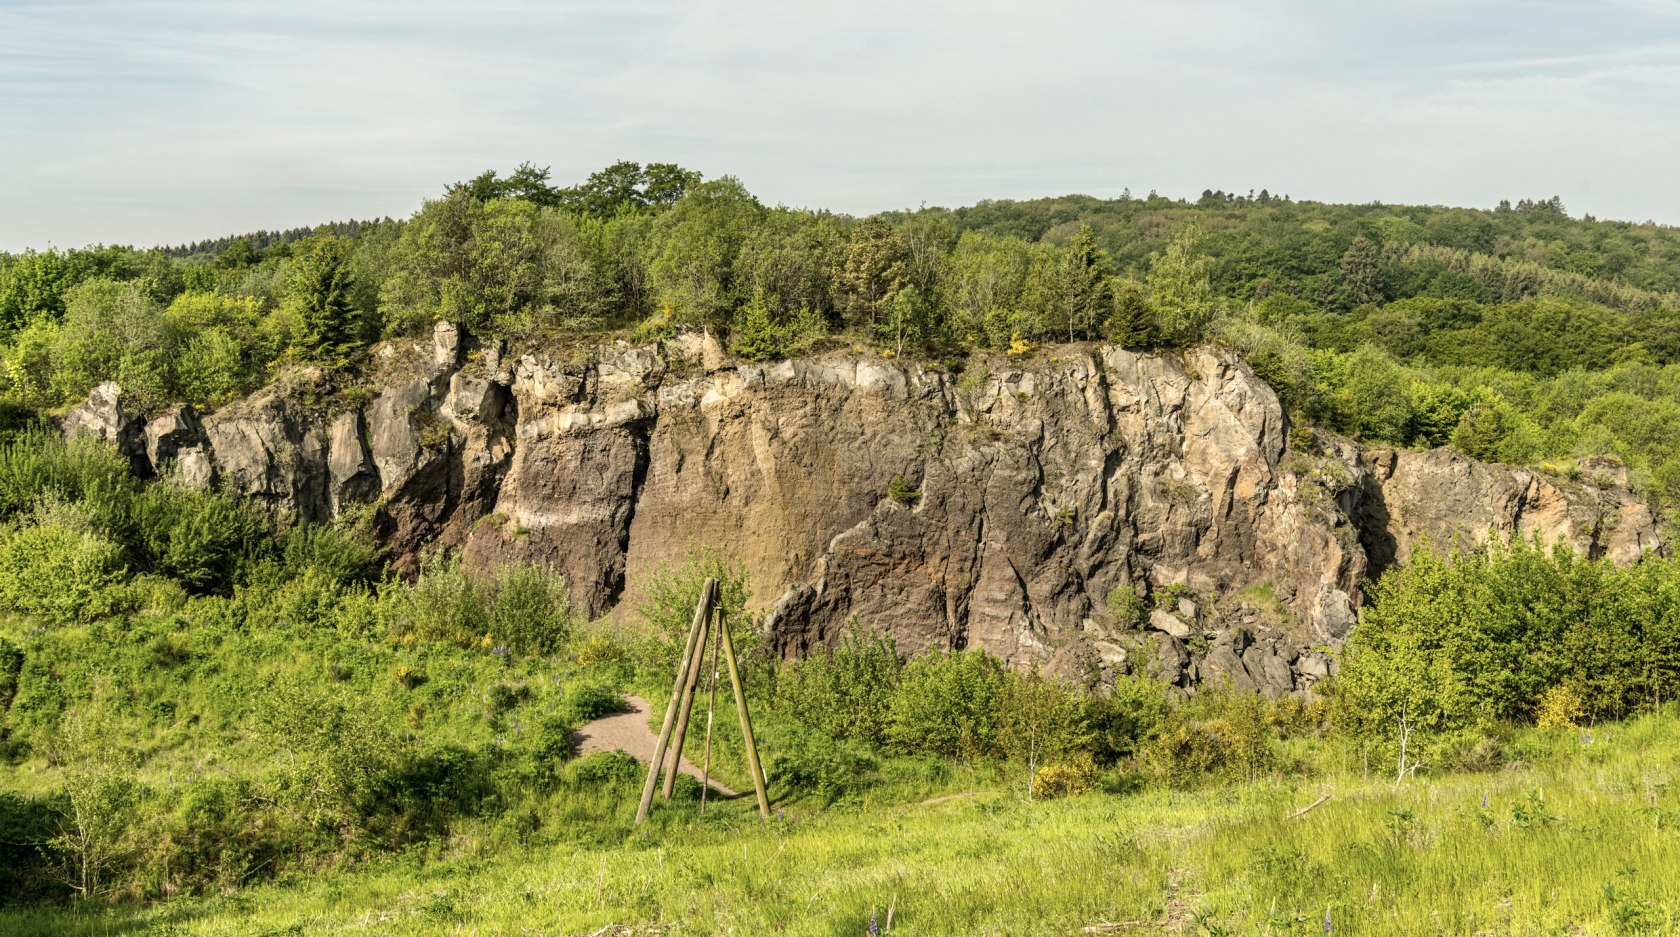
x,y
947,705
445,603
1220,733
344,552
844,692
1066,778
667,602
531,611
38,464
504,697
604,769
901,490
60,575
600,649
1122,719
1561,707
1125,607
1039,718
336,761
11,664
827,768
586,700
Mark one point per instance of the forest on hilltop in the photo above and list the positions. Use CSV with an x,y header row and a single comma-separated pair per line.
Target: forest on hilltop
x,y
1519,334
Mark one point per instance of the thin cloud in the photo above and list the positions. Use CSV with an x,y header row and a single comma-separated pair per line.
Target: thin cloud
x,y
171,121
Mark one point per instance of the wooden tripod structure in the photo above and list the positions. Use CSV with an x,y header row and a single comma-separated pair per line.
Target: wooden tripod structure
x,y
667,753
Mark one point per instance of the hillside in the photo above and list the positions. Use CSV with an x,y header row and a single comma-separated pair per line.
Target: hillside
x,y
1151,521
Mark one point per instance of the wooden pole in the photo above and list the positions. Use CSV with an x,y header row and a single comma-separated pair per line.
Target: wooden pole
x,y
702,612
673,761
711,705
753,766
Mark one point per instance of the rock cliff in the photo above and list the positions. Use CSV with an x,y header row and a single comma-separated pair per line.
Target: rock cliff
x,y
1032,497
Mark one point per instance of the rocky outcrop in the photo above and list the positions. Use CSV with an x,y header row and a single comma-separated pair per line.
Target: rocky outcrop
x,y
1443,495
1000,508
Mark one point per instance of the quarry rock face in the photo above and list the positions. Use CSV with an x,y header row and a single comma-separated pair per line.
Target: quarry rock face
x,y
1023,494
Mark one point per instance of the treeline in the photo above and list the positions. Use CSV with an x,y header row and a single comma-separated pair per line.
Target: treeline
x,y
1518,334
245,249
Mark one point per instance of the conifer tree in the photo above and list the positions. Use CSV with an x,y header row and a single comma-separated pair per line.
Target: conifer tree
x,y
873,272
1358,276
319,295
753,336
1131,324
1084,284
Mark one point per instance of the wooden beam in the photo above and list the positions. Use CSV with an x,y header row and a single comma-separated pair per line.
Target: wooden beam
x,y
753,766
673,761
711,706
702,612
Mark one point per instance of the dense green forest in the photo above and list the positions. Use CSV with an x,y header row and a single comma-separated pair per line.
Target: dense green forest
x,y
1518,334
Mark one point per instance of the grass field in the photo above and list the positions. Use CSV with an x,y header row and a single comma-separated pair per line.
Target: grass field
x,y
1572,837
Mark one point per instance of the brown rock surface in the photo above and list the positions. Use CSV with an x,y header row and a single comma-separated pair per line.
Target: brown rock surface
x,y
1041,486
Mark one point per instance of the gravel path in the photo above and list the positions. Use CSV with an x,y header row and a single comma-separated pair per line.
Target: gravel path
x,y
629,732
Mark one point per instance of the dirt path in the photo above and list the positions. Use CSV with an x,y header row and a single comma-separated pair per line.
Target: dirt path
x,y
628,731
945,797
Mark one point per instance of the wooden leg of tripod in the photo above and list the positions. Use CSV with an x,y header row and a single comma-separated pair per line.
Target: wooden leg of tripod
x,y
702,614
753,766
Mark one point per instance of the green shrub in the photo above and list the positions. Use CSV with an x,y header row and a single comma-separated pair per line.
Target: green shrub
x,y
947,704
1038,718
669,595
605,769
335,760
1124,717
503,697
1125,607
585,700
39,463
60,575
829,769
344,552
1220,733
901,490
446,603
846,691
531,611
11,664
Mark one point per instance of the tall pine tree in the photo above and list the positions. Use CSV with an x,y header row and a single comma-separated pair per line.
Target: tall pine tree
x,y
330,326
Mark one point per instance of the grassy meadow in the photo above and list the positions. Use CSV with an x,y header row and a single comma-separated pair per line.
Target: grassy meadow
x,y
1578,834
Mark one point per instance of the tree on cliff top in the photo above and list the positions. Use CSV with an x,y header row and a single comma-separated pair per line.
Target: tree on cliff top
x,y
319,296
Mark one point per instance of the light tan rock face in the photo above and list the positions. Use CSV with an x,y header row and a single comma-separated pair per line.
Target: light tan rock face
x,y
1442,494
1041,487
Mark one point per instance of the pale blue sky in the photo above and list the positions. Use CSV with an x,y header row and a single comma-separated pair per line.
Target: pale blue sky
x,y
172,120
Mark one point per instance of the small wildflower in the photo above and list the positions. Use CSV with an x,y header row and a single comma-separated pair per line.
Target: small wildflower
x,y
1484,800
779,816
1329,925
874,924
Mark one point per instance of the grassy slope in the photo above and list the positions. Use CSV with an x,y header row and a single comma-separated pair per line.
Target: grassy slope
x,y
1580,839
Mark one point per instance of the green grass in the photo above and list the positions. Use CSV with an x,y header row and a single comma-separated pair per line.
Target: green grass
x,y
1575,839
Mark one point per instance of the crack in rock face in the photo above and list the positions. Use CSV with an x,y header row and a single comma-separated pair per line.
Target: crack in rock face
x,y
1006,510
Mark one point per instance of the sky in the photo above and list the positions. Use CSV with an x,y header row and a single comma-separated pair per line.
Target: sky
x,y
164,121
